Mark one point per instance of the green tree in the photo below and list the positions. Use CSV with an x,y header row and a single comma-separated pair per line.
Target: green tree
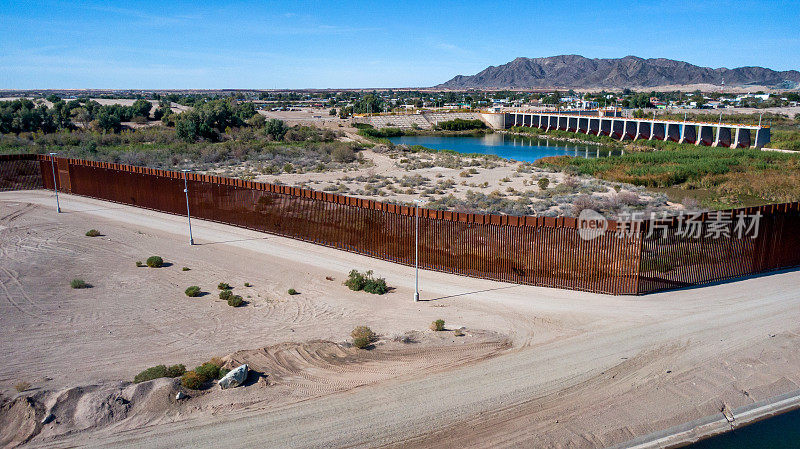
x,y
276,129
141,108
108,121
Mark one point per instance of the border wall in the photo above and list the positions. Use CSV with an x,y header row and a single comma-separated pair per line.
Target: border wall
x,y
543,251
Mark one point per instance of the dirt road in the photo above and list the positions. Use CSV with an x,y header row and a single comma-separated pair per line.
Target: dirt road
x,y
585,370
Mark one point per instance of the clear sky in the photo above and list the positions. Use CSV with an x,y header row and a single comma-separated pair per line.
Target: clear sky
x,y
337,44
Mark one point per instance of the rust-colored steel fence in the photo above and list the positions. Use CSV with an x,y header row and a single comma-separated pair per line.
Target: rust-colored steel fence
x,y
541,251
718,245
20,172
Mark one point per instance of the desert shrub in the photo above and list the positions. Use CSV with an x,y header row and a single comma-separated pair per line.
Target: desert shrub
x,y
22,386
583,202
365,281
92,233
176,370
405,338
225,295
78,283
208,370
235,301
543,183
458,333
293,292
362,336
154,262
223,286
343,154
159,371
192,380
437,325
139,263
355,281
185,269
193,291
376,286
247,284
361,342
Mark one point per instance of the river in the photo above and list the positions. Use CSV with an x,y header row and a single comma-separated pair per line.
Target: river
x,y
519,148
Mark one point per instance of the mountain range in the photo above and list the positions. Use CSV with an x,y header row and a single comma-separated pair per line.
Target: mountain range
x,y
574,71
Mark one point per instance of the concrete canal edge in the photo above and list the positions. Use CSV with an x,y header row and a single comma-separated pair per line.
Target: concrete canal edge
x,y
709,426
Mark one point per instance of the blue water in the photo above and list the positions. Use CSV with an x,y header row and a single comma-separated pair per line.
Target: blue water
x,y
525,149
779,432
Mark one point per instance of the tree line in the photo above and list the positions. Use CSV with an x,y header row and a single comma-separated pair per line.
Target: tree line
x,y
23,115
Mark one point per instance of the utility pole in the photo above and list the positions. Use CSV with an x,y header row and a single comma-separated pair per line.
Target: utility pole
x,y
186,192
55,183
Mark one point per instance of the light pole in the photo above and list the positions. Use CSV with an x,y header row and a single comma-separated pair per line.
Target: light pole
x,y
55,185
186,192
416,251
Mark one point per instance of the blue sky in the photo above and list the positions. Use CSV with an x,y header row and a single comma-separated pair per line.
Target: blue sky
x,y
267,44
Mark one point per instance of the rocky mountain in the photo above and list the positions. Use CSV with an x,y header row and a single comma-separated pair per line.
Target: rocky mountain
x,y
574,71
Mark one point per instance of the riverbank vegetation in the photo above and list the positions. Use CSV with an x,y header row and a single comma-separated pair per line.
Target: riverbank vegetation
x,y
460,125
734,177
270,148
457,127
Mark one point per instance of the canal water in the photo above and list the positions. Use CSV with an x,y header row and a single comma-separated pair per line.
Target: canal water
x,y
519,148
778,432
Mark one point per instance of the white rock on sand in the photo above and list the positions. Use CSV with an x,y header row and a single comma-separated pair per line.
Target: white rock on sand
x,y
234,378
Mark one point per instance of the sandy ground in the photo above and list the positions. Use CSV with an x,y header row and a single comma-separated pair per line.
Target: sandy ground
x,y
308,117
584,370
401,177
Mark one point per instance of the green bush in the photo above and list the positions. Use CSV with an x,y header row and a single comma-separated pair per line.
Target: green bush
x,y
458,333
376,286
543,183
176,370
223,286
192,380
437,325
92,233
357,281
78,283
461,124
361,342
381,133
154,262
139,263
185,269
225,295
159,371
193,291
293,292
208,370
362,337
247,284
235,301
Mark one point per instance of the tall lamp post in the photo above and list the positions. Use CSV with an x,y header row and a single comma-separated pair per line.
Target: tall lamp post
x,y
186,192
416,251
55,184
